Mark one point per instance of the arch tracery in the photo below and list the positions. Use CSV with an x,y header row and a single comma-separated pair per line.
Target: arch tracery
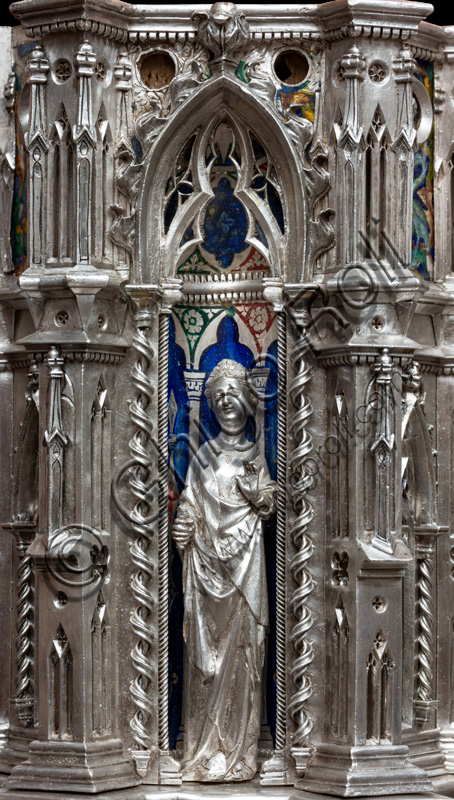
x,y
224,98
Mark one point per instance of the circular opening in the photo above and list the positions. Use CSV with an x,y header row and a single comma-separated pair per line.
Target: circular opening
x,y
379,604
378,323
60,599
100,71
157,70
378,71
291,67
62,317
63,70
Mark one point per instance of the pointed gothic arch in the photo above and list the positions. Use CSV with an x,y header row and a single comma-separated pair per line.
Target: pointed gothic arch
x,y
197,113
419,473
25,497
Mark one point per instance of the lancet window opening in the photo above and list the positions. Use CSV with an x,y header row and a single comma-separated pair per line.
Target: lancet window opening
x,y
224,165
338,715
337,447
379,691
61,187
101,685
375,186
60,686
100,456
102,189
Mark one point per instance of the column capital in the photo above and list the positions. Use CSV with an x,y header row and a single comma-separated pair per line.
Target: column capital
x,y
172,295
123,72
404,65
274,294
85,60
354,64
145,300
38,65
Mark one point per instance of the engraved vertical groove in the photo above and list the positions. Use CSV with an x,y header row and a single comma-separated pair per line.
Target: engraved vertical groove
x,y
163,583
280,533
425,629
141,557
302,481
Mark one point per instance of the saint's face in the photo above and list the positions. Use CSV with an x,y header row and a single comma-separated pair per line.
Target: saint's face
x,y
229,405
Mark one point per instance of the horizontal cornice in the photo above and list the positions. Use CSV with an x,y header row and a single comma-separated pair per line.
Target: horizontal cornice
x,y
395,19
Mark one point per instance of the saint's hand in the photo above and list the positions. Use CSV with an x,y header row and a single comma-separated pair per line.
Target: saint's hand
x,y
250,491
183,531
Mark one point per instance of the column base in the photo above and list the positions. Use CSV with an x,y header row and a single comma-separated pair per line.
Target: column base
x,y
266,744
74,767
169,769
17,747
274,770
367,770
425,751
447,747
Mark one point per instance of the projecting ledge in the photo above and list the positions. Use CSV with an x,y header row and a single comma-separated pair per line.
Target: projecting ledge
x,y
246,791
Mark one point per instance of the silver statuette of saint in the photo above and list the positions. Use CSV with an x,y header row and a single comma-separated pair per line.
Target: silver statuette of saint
x,y
218,531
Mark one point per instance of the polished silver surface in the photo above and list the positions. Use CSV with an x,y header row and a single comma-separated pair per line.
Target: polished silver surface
x,y
218,530
329,130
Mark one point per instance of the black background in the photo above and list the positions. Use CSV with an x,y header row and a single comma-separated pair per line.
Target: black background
x,y
443,14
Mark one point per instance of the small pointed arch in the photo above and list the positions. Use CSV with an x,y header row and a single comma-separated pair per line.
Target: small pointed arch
x,y
60,685
418,478
101,401
337,451
380,669
338,666
180,337
61,125
101,653
195,115
100,617
60,166
378,140
102,186
223,178
25,498
340,400
103,130
210,335
101,445
341,625
377,126
338,121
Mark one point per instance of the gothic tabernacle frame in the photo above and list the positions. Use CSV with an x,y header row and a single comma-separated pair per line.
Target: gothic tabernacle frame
x,y
183,188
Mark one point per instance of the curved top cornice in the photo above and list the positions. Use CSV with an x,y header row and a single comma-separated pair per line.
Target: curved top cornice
x,y
397,19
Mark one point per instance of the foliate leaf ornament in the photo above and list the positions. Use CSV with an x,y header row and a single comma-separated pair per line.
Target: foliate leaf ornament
x,y
224,30
123,229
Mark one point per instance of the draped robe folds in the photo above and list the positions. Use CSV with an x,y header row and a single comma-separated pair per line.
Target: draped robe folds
x,y
226,611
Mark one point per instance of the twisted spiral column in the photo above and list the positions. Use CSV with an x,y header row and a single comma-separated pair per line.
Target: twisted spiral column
x,y
163,541
24,679
425,637
275,769
301,483
143,528
281,713
169,768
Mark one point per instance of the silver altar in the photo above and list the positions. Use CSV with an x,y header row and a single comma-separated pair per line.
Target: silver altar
x,y
330,131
